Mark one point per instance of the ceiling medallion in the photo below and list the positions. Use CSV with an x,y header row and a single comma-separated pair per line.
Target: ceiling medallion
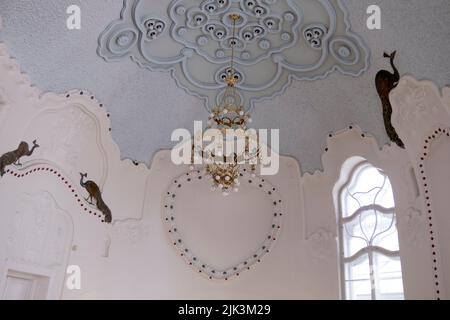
x,y
276,41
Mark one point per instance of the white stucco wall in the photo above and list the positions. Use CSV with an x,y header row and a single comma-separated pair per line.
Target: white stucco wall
x,y
45,228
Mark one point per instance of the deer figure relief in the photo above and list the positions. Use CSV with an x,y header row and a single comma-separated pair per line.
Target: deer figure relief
x,y
13,157
94,193
385,82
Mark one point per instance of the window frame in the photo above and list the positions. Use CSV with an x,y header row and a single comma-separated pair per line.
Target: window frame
x,y
356,170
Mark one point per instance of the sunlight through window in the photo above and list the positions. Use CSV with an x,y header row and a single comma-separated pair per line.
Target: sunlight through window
x,y
370,256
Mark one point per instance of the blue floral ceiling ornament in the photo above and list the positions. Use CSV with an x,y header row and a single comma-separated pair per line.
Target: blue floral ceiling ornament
x,y
276,41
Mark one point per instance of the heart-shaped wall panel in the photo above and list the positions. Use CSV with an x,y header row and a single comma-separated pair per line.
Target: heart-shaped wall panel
x,y
222,236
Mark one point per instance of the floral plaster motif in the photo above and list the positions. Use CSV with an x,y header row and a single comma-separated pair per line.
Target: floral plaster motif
x,y
322,245
132,230
275,41
414,222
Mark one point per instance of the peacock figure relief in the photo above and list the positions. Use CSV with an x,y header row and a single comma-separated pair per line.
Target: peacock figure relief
x,y
13,157
385,82
94,193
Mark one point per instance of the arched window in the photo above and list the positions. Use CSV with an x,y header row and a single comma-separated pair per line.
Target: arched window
x,y
369,248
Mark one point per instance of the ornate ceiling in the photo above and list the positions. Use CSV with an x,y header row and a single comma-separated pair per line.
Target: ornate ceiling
x,y
145,107
276,40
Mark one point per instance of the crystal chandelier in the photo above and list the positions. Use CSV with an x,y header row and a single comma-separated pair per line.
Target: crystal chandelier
x,y
230,114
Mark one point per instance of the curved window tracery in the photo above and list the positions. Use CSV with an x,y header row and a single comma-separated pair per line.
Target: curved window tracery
x,y
369,247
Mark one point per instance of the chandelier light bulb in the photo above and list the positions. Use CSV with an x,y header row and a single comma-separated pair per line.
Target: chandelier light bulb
x,y
217,178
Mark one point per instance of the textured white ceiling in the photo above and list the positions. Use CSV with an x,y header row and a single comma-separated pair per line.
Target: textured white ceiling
x,y
146,106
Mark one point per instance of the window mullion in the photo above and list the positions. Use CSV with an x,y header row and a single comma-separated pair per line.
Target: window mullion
x,y
372,277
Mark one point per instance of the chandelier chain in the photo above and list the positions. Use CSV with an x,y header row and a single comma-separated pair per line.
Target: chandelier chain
x,y
233,42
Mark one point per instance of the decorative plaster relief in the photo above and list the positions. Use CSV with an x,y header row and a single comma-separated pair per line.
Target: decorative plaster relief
x,y
421,115
26,104
185,241
418,107
416,98
412,223
15,84
322,246
434,211
396,163
131,230
276,41
72,137
40,231
49,169
341,146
